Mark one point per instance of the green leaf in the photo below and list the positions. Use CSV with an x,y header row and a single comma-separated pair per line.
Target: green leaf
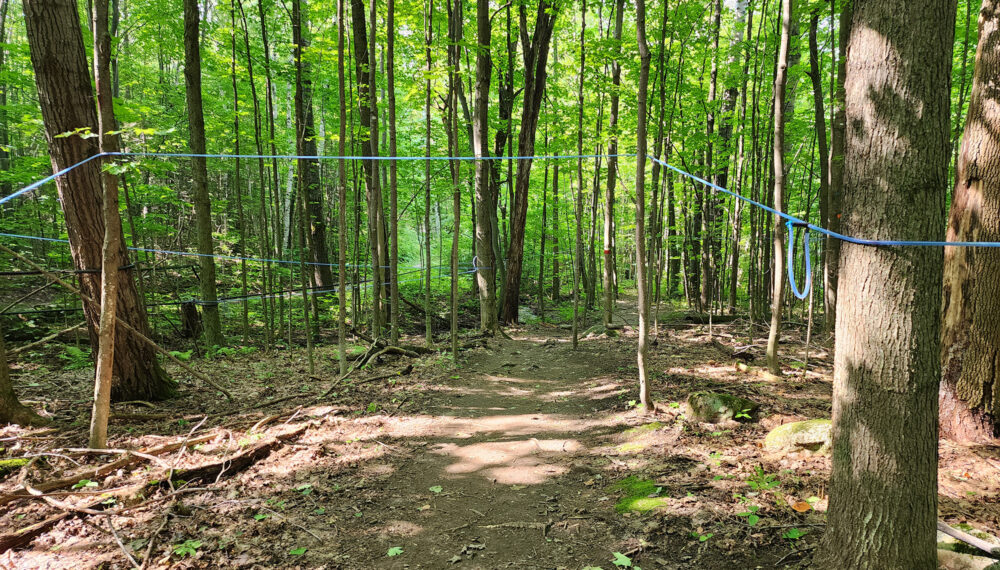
x,y
752,520
436,489
622,561
794,534
297,551
85,483
259,516
394,551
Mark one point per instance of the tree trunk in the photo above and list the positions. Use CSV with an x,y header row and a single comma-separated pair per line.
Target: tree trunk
x,y
112,243
640,204
199,171
970,346
609,195
838,130
67,103
883,486
780,175
536,55
820,126
305,145
428,37
342,193
454,61
393,206
485,203
11,410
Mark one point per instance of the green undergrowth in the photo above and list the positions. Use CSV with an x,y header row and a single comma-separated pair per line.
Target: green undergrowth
x,y
640,495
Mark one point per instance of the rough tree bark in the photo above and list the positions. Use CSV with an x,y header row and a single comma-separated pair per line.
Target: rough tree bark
x,y
199,172
64,92
883,486
970,335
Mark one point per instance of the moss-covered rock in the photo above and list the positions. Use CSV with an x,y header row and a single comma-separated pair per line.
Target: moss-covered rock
x,y
811,435
714,408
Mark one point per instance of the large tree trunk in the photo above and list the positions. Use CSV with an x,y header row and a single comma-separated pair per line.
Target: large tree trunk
x,y
536,56
970,346
67,102
199,172
485,203
305,145
883,487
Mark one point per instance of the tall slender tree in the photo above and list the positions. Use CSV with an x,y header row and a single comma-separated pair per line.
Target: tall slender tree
x,y
883,486
112,245
342,193
780,173
305,145
609,196
485,201
640,203
390,26
199,173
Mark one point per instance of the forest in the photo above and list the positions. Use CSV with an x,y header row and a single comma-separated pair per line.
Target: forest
x,y
483,284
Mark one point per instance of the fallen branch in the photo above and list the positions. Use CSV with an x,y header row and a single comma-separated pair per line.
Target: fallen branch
x,y
40,342
230,466
98,472
27,534
987,547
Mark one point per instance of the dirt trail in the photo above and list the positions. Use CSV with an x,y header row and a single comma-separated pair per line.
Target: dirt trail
x,y
513,442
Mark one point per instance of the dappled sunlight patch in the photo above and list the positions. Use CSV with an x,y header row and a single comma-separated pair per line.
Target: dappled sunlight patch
x,y
523,462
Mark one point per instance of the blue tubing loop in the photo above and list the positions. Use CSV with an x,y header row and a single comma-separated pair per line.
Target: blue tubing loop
x,y
791,258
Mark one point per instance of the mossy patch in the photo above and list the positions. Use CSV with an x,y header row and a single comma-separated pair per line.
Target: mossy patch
x,y
640,495
8,465
643,429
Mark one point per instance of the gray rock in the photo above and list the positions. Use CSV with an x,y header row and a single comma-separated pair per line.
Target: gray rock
x,y
810,435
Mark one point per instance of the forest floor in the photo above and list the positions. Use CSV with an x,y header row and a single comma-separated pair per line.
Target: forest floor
x,y
527,455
